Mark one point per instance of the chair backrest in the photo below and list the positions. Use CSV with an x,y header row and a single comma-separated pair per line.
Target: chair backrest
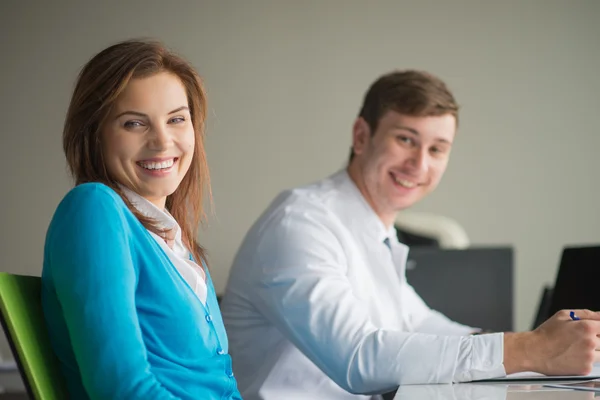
x,y
446,231
23,322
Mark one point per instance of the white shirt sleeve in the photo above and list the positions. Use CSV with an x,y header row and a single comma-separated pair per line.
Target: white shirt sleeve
x,y
302,288
479,357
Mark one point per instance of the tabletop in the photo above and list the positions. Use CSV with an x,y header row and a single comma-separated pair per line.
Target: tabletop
x,y
532,390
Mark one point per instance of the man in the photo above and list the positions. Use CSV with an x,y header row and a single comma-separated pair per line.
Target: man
x,y
317,304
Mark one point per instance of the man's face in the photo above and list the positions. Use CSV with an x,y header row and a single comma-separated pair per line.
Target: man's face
x,y
403,160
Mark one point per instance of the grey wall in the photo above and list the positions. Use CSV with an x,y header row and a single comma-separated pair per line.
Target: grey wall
x,y
285,79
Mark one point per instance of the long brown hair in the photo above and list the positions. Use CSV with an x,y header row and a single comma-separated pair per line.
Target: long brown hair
x,y
99,84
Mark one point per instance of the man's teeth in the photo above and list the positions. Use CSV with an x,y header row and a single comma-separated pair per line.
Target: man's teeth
x,y
405,183
157,165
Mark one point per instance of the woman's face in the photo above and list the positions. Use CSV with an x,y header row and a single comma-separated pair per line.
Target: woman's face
x,y
148,139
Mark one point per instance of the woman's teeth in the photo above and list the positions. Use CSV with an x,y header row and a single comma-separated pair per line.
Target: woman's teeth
x,y
156,165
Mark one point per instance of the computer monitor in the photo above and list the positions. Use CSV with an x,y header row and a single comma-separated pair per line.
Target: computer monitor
x,y
576,284
472,286
543,307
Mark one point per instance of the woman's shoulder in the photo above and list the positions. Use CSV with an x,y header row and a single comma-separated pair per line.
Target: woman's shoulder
x,y
93,199
91,191
90,212
92,194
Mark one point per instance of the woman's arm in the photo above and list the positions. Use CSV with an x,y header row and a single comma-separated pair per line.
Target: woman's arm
x,y
95,281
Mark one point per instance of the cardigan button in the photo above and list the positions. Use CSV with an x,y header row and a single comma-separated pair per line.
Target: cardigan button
x,y
208,318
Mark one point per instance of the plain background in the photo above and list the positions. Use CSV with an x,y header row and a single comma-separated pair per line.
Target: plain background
x,y
285,80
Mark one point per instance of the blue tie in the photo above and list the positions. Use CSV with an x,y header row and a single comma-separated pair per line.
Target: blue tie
x,y
386,241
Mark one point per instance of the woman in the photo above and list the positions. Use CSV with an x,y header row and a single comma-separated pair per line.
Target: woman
x,y
127,297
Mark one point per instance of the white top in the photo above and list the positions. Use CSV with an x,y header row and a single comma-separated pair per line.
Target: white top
x,y
179,254
317,306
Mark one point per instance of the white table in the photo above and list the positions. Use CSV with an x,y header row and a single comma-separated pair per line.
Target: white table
x,y
491,391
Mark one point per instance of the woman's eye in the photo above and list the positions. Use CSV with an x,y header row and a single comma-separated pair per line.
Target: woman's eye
x,y
177,120
132,124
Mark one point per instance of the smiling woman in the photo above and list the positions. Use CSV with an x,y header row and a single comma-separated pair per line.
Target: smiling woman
x,y
128,300
151,151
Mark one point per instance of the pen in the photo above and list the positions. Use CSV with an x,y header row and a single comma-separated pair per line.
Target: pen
x,y
573,316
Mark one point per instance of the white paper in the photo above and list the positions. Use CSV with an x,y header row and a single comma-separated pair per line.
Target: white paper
x,y
588,386
534,376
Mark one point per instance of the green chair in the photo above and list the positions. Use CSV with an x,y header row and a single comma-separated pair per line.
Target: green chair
x,y
23,323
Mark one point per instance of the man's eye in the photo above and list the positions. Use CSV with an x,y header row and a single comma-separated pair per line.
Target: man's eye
x,y
438,150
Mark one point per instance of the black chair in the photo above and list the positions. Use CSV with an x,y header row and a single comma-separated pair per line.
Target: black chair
x,y
413,240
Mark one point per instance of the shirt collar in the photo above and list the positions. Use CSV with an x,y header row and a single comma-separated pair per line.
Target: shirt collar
x,y
164,219
357,213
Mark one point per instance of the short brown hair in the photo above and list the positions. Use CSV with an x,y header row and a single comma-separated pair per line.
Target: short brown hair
x,y
410,92
99,84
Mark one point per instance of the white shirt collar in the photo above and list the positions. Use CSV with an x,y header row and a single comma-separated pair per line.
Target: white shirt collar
x,y
357,212
164,219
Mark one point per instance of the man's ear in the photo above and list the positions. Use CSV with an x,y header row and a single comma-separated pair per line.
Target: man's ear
x,y
361,133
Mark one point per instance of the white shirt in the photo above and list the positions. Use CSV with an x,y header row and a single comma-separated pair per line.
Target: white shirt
x,y
317,306
179,255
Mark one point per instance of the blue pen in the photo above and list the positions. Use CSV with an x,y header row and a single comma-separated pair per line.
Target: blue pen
x,y
573,316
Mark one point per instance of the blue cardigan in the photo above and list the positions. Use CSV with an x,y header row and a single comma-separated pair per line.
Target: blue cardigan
x,y
122,321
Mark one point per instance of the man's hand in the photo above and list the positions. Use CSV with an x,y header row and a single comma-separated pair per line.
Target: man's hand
x,y
560,346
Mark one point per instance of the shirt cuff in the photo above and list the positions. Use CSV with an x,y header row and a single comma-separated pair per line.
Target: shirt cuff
x,y
480,357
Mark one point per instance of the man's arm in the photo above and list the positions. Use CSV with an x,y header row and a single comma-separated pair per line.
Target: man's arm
x,y
303,289
559,346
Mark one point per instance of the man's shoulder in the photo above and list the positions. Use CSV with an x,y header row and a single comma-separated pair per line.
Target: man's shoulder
x,y
313,204
322,194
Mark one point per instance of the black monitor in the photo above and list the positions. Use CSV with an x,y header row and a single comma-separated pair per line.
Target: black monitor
x,y
472,286
576,284
543,307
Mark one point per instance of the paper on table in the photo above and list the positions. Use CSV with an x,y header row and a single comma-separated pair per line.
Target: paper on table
x,y
534,376
588,386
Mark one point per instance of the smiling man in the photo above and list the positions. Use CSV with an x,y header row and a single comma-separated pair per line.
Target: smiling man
x,y
317,304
